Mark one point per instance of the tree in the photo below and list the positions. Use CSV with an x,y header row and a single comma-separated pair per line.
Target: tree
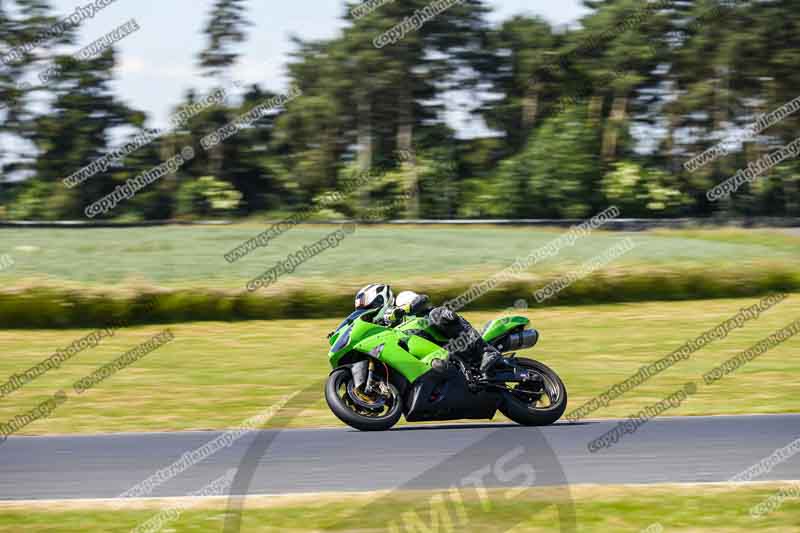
x,y
75,131
225,29
400,85
522,49
556,174
22,27
618,48
641,192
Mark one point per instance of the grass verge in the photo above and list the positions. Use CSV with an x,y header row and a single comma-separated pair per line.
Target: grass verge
x,y
190,257
215,375
53,307
81,278
681,508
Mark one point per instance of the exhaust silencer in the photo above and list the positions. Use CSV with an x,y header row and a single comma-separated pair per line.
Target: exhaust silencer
x,y
518,341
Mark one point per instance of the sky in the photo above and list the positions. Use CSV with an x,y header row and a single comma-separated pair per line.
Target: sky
x,y
158,63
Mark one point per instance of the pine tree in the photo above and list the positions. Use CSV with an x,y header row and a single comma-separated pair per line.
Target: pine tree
x,y
225,29
522,49
76,130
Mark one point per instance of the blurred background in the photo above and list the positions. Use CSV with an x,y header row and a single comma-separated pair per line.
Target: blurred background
x,y
456,146
480,111
511,110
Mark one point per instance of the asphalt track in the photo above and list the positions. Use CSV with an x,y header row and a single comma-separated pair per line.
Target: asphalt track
x,y
691,449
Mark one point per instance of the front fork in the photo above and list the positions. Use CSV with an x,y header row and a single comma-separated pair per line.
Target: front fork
x,y
364,376
360,372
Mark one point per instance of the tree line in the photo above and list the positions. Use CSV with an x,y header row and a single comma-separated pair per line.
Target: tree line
x,y
646,105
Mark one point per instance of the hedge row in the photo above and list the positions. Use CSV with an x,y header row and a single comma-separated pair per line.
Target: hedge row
x,y
57,308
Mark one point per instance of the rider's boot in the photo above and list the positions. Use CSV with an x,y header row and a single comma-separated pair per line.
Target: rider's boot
x,y
491,356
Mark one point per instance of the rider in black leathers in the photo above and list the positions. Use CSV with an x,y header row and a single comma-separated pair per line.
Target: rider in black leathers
x,y
472,347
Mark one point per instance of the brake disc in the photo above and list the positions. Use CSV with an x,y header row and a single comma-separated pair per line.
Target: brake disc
x,y
372,403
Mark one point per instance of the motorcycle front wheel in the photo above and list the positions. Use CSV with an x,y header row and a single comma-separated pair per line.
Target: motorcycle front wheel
x,y
358,409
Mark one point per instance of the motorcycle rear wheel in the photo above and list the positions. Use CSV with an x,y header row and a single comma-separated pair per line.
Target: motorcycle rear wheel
x,y
358,412
523,405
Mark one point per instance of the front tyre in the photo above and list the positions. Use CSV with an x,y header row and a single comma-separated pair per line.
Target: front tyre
x,y
365,412
538,404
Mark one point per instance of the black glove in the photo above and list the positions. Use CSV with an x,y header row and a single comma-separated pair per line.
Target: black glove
x,y
420,305
394,316
442,316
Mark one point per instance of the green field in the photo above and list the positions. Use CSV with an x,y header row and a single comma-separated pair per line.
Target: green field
x,y
681,508
84,278
215,375
178,256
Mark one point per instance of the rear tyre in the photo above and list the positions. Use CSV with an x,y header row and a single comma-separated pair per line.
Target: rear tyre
x,y
358,410
530,407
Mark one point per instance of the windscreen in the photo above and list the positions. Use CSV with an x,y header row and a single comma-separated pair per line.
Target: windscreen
x,y
350,319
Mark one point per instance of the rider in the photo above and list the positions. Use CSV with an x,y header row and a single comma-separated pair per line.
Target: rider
x,y
391,312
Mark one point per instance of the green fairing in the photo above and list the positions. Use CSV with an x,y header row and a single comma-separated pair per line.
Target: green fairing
x,y
396,357
367,337
500,326
421,323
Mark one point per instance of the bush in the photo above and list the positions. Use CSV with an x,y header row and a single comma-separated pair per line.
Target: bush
x,y
54,308
207,196
643,193
553,176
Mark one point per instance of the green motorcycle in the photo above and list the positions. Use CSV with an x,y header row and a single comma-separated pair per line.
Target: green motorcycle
x,y
381,373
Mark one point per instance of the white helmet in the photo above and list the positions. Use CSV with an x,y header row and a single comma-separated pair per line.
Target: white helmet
x,y
375,296
405,298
